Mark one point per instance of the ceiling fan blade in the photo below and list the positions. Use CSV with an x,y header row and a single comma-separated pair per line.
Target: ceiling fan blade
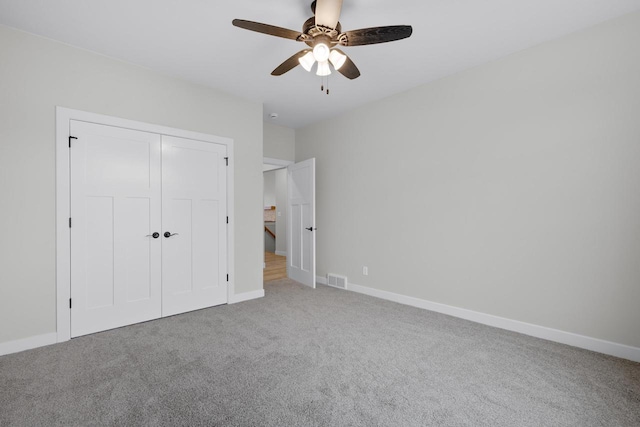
x,y
289,64
267,29
328,12
375,35
348,69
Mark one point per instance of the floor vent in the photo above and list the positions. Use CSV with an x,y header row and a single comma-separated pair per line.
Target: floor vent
x,y
337,281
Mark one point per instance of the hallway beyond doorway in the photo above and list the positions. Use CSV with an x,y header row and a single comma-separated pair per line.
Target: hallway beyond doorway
x,y
276,267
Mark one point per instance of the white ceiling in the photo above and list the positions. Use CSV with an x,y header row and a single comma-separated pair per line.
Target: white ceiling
x,y
194,40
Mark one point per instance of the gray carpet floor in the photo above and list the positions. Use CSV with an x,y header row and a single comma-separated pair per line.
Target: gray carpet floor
x,y
324,357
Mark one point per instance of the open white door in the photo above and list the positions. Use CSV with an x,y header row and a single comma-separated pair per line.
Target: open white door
x,y
301,222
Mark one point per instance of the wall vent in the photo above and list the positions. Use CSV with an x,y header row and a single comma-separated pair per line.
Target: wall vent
x,y
337,281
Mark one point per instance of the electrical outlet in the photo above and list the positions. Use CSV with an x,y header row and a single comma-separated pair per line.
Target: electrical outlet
x,y
365,271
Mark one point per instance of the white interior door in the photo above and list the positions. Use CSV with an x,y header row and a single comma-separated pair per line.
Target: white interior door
x,y
301,220
115,208
194,236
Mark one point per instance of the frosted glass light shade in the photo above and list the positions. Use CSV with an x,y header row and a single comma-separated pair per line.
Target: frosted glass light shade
x,y
307,61
337,59
321,52
323,69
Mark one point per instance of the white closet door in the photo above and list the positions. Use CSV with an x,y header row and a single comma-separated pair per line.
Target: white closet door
x,y
194,235
115,207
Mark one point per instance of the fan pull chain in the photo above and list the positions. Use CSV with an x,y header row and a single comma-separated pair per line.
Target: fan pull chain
x,y
322,85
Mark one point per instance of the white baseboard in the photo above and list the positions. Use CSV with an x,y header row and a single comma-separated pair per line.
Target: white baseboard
x,y
281,253
28,343
246,296
575,340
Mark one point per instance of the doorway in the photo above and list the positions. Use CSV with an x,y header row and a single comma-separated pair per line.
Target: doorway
x,y
275,218
294,209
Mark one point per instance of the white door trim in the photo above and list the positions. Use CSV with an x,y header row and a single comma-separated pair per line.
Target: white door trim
x,y
63,234
276,162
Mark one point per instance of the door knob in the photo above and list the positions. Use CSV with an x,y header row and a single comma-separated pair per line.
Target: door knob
x,y
168,234
154,235
310,228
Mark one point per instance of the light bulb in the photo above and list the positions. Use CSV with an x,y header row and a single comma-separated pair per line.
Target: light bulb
x,y
323,69
337,59
321,52
307,61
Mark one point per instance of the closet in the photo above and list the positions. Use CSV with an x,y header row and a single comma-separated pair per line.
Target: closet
x,y
148,226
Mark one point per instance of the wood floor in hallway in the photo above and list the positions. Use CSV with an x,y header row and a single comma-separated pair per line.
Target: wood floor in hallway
x,y
276,267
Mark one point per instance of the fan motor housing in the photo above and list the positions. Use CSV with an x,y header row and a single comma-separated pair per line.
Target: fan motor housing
x,y
312,30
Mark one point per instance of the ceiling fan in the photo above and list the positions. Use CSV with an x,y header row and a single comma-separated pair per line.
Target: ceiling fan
x,y
322,33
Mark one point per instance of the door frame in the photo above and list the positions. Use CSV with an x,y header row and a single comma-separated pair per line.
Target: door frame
x,y
63,198
276,162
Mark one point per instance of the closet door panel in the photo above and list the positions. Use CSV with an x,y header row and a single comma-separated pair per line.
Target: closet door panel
x,y
194,222
115,208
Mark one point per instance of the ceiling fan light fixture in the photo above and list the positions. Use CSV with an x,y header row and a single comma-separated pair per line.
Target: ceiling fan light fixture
x,y
307,61
337,59
321,52
323,69
321,34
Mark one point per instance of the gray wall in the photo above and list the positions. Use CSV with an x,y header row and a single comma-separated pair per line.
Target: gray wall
x,y
269,198
36,75
279,142
275,194
509,189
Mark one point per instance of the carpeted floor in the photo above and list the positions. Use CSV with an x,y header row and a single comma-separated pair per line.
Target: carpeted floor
x,y
324,357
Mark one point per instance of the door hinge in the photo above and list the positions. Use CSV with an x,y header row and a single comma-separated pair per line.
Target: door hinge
x,y
69,302
226,159
227,277
70,138
227,220
69,222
